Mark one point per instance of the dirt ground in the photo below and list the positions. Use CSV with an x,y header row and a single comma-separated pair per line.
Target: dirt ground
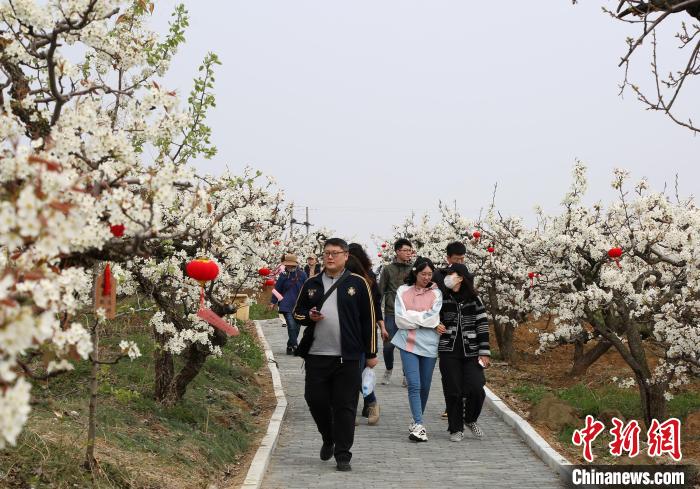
x,y
551,370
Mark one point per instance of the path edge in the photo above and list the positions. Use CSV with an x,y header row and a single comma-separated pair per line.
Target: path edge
x,y
258,467
533,439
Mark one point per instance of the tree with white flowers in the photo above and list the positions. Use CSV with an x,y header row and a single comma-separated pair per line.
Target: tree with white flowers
x,y
628,274
79,106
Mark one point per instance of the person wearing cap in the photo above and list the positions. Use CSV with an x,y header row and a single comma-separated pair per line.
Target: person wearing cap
x,y
312,267
284,295
463,350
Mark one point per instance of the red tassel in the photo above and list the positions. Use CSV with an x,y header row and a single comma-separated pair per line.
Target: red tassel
x,y
107,282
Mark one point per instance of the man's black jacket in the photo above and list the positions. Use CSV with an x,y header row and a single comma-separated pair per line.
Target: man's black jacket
x,y
358,326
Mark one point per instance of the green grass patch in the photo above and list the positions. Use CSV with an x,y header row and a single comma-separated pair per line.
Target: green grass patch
x,y
530,392
260,311
594,401
140,443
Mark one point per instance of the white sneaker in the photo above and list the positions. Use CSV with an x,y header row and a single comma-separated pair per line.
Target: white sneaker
x,y
387,377
403,382
475,429
418,434
412,426
457,436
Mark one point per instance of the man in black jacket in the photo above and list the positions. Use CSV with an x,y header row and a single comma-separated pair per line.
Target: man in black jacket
x,y
343,329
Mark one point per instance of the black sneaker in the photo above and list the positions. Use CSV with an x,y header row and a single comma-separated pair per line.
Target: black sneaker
x,y
327,451
290,350
344,466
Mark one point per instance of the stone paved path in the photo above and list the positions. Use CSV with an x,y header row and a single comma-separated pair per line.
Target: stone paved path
x,y
383,457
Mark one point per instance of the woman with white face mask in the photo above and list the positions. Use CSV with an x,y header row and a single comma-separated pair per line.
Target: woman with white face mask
x,y
464,351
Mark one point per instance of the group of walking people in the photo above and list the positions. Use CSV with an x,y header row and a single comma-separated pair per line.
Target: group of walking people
x,y
430,314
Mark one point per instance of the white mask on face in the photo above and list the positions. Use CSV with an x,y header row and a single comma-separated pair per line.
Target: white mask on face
x,y
452,280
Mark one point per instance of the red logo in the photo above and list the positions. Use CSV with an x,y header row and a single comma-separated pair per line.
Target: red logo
x,y
587,435
665,438
625,439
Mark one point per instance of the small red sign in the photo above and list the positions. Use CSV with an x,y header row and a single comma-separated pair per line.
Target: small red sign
x,y
212,318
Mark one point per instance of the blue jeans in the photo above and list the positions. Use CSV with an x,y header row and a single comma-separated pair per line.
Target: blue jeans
x,y
390,325
371,397
292,329
419,375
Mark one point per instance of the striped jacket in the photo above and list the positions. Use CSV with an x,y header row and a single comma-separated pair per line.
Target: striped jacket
x,y
469,319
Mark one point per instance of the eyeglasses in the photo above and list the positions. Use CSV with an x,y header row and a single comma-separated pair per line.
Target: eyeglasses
x,y
406,250
328,254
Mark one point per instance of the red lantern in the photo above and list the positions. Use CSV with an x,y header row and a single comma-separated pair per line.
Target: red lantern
x,y
379,255
615,254
476,235
264,272
117,230
276,243
384,245
490,249
269,282
202,270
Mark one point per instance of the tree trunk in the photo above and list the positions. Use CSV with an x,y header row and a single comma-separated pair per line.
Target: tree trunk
x,y
504,332
194,363
584,359
504,338
175,390
163,366
90,462
653,401
652,395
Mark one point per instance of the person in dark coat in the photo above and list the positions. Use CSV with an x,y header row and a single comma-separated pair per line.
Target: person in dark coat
x,y
463,350
284,295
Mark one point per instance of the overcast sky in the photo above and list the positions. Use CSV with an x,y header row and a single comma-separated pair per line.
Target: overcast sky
x,y
366,110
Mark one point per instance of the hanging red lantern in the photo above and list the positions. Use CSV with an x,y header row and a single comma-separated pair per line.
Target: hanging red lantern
x,y
615,254
276,243
269,282
490,249
117,230
202,270
476,235
379,255
264,272
384,245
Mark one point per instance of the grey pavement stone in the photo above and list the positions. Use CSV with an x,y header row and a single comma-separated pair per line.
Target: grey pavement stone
x,y
383,456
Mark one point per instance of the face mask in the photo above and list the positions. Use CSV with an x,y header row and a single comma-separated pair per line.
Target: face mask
x,y
451,281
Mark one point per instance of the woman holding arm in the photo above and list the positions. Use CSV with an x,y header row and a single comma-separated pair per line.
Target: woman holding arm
x,y
464,351
417,310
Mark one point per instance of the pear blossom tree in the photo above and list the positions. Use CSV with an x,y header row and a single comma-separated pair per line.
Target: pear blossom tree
x,y
638,303
237,232
503,255
92,142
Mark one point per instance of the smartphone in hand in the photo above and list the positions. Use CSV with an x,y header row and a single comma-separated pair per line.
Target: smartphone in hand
x,y
315,314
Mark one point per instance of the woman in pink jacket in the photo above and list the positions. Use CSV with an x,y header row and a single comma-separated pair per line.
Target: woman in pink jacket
x,y
417,310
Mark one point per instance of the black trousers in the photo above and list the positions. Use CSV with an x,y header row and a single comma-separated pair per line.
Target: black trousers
x,y
331,393
463,384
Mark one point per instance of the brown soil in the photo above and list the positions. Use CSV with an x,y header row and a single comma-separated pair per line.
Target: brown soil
x,y
551,370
